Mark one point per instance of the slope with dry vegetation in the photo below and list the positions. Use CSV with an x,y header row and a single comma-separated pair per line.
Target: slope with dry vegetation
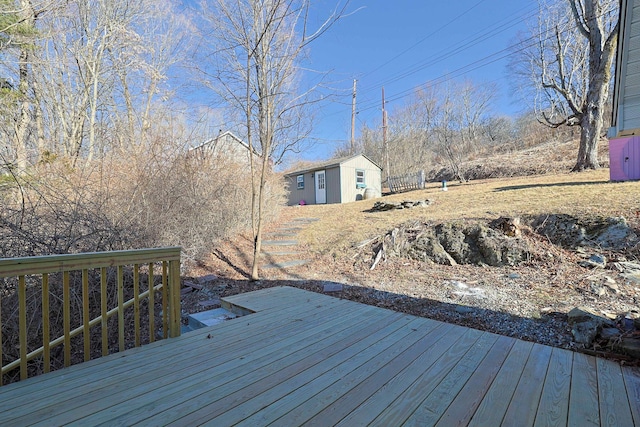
x,y
529,300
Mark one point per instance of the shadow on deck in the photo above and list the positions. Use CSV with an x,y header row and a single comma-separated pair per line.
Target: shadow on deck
x,y
306,358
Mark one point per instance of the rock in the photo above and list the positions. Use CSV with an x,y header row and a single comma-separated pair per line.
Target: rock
x,y
428,248
509,226
628,270
585,332
632,277
457,243
598,290
514,276
463,309
594,261
406,204
586,324
571,232
629,346
332,287
609,333
582,314
616,234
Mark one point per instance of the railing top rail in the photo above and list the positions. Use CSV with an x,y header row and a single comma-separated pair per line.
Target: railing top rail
x,y
70,262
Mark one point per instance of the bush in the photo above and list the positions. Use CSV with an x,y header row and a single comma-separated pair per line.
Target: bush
x,y
133,199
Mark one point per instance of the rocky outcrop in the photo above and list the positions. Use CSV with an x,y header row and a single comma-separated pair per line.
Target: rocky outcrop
x,y
456,243
571,232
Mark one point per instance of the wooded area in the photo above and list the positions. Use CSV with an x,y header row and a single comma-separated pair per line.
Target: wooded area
x,y
100,100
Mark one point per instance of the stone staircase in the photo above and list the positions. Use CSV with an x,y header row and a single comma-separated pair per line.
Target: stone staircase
x,y
280,251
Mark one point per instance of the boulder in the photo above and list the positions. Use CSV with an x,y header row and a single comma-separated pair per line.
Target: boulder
x,y
586,324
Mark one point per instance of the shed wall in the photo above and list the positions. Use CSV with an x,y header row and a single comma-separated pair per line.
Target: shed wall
x,y
373,178
333,185
307,193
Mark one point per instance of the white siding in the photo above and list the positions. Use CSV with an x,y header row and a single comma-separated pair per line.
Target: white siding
x,y
627,91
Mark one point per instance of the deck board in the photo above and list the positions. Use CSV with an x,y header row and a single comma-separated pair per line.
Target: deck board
x,y
461,410
436,402
612,395
304,358
583,398
409,400
526,398
632,383
554,403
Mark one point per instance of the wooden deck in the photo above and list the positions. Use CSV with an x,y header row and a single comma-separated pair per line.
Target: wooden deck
x,y
306,358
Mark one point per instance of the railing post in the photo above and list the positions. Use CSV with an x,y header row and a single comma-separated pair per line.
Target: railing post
x,y
22,313
174,298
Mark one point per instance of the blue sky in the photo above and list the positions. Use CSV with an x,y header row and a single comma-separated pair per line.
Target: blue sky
x,y
403,44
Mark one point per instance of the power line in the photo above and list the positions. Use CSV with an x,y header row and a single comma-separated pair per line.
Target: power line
x,y
482,62
424,38
457,48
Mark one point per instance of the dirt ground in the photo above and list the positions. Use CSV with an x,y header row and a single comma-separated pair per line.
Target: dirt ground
x,y
530,301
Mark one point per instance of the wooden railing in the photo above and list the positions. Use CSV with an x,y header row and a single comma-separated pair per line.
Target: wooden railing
x,y
107,274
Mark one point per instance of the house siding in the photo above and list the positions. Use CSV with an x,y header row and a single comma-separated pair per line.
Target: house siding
x,y
631,88
227,147
626,118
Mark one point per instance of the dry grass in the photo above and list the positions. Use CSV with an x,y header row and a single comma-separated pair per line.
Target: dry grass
x,y
581,194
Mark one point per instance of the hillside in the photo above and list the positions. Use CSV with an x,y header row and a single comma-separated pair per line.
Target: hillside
x,y
529,300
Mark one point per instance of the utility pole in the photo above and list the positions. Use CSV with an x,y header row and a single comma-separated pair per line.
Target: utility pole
x,y
353,119
385,147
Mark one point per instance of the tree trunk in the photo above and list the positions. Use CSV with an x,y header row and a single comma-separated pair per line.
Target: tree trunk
x,y
24,119
591,128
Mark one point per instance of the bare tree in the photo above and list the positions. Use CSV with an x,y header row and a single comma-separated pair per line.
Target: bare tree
x,y
568,61
17,34
259,45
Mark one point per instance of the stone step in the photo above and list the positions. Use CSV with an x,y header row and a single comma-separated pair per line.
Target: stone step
x,y
279,243
286,264
304,220
209,318
278,253
280,234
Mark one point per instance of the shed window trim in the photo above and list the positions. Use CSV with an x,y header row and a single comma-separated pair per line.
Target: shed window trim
x,y
360,178
300,182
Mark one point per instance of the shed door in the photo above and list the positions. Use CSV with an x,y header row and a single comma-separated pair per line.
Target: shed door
x,y
631,158
321,187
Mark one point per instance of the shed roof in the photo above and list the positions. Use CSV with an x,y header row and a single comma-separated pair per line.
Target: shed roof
x,y
329,164
222,135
